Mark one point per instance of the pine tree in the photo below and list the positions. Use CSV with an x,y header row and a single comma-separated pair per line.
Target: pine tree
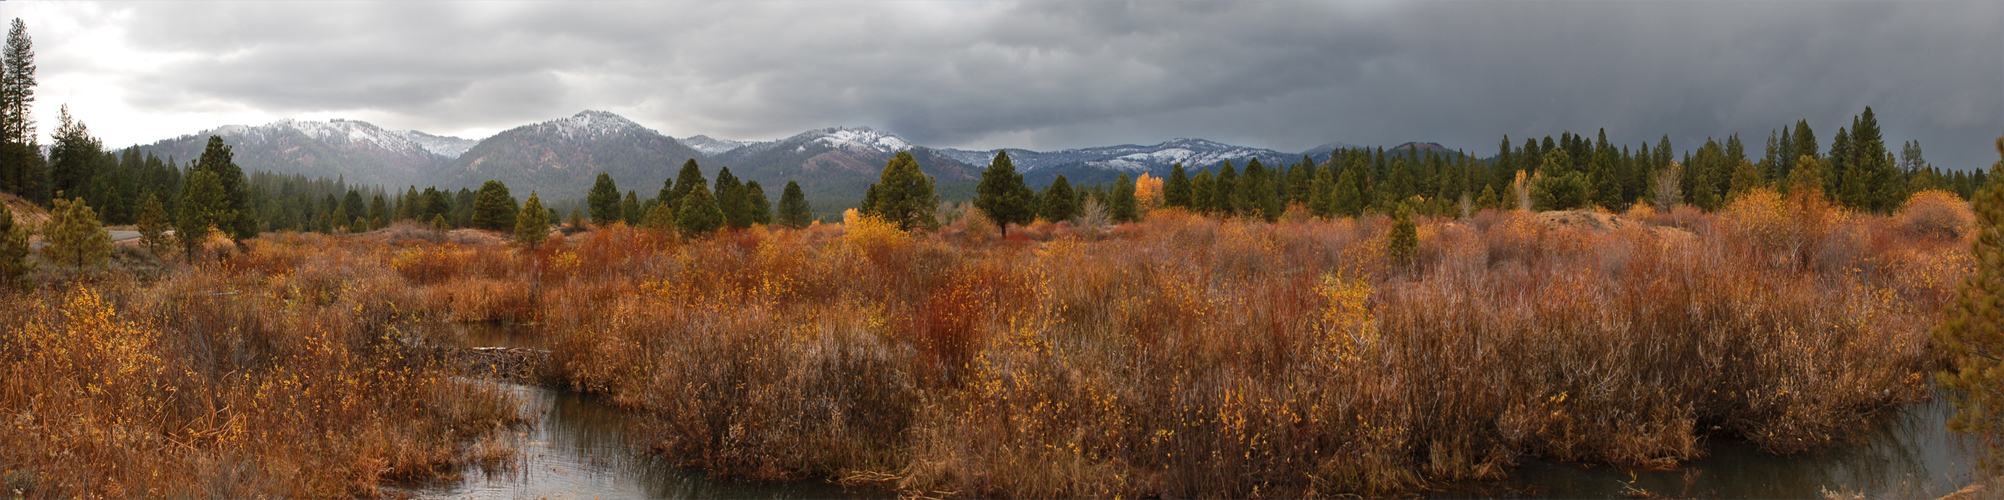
x,y
379,212
1972,333
903,195
14,249
76,236
1060,203
1203,189
684,182
217,159
533,225
1402,243
1225,190
699,214
1122,206
1256,196
629,209
73,162
20,156
757,206
153,226
730,194
1176,192
1745,178
493,207
1559,187
604,201
794,211
204,208
1003,196
577,219
1348,199
660,220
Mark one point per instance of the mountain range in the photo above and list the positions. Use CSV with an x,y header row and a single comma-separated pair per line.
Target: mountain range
x,y
561,158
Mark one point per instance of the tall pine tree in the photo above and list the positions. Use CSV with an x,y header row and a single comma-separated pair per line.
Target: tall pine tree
x,y
603,200
794,212
1003,196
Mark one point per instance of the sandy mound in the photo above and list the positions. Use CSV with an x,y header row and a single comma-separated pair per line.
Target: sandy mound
x,y
24,212
1582,219
1604,222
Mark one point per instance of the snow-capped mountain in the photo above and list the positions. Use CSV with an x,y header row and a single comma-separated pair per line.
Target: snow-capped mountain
x,y
358,151
834,166
442,145
1101,164
710,145
563,156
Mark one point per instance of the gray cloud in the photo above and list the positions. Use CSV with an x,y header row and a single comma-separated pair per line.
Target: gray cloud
x,y
1056,74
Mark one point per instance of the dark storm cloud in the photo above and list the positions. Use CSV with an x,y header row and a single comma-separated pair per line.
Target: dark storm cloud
x,y
1287,75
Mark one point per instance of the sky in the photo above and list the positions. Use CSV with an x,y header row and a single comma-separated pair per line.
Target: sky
x,y
1043,75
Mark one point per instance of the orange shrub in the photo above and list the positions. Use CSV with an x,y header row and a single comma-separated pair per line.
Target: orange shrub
x,y
1937,213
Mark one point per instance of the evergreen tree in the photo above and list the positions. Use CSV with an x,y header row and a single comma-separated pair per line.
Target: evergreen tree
x,y
493,207
1402,243
217,159
684,182
14,249
1203,189
1003,196
1606,188
1348,198
73,162
1842,181
577,220
379,212
660,220
794,211
604,201
1972,333
1060,203
730,195
205,207
352,203
757,205
1256,196
153,225
1559,187
1225,190
629,209
903,195
20,157
699,214
1176,192
408,206
1805,141
1745,178
1121,205
76,236
533,225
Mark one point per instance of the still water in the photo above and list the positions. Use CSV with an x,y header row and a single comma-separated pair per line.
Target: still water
x,y
578,449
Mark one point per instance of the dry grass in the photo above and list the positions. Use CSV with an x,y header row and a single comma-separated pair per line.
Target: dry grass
x,y
1180,356
275,374
1191,357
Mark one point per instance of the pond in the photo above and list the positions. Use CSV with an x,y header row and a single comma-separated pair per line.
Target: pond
x,y
579,449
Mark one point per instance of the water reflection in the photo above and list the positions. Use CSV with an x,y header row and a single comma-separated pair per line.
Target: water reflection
x,y
580,450
1910,455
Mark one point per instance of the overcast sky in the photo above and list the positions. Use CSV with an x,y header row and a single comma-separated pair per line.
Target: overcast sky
x,y
1042,74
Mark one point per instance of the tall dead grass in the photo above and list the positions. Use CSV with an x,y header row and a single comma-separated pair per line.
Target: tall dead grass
x,y
275,374
1179,356
1192,357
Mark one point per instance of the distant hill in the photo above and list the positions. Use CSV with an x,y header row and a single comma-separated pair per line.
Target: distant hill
x,y
1105,164
358,151
561,158
835,166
